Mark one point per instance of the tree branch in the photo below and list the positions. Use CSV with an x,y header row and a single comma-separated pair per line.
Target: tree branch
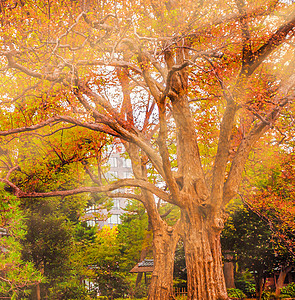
x,y
114,63
222,152
117,132
153,85
235,175
247,52
58,119
270,224
127,196
99,189
29,72
162,138
253,61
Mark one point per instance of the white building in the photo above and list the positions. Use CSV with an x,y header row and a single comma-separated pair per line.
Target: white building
x,y
120,168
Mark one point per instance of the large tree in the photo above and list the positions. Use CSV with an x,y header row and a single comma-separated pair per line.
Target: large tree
x,y
188,87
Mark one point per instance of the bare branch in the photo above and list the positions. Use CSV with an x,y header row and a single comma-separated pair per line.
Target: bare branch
x,y
99,189
127,196
112,63
29,72
55,120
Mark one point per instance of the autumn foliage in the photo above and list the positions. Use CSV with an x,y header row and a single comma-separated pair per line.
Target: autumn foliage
x,y
188,87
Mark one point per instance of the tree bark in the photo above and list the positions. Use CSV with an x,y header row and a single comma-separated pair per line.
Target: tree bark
x,y
165,237
164,245
228,269
203,258
259,284
280,282
38,292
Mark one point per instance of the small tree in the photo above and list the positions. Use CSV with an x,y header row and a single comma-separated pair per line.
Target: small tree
x,y
104,257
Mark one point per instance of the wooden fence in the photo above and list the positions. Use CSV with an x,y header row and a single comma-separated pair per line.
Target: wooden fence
x,y
180,291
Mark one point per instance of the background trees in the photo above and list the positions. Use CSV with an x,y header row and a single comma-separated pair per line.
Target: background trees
x,y
273,195
251,239
206,80
262,232
257,247
50,244
114,252
17,277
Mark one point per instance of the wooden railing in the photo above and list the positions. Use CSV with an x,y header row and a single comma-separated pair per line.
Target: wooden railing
x,y
180,291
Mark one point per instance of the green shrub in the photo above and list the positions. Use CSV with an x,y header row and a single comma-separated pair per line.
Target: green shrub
x,y
268,295
140,291
247,287
103,298
68,290
284,296
236,294
289,290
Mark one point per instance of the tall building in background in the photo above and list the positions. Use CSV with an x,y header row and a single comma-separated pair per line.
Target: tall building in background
x,y
120,168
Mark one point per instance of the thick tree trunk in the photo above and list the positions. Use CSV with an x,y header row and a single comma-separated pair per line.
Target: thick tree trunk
x,y
280,282
203,259
164,245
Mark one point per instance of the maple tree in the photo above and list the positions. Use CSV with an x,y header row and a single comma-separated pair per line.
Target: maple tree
x,y
273,198
188,87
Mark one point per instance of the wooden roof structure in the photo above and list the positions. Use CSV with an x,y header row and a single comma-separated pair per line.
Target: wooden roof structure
x,y
144,266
